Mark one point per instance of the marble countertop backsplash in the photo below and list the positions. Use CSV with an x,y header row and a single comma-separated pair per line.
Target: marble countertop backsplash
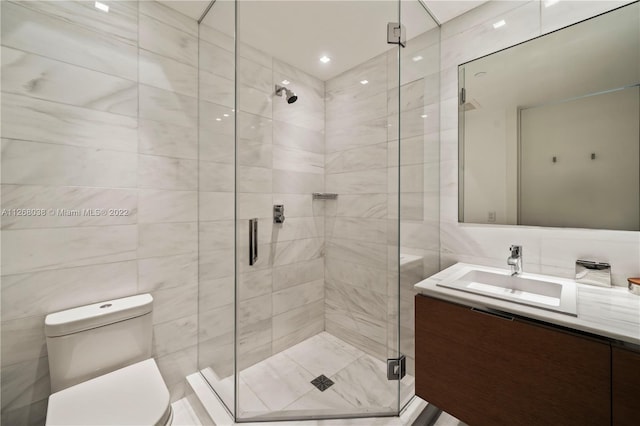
x,y
609,312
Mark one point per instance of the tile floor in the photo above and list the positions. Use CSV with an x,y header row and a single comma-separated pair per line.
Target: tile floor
x,y
183,414
447,419
281,384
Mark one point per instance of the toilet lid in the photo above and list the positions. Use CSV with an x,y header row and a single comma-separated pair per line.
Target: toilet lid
x,y
133,395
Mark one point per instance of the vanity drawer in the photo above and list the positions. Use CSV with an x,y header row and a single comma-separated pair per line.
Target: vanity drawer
x,y
625,370
493,370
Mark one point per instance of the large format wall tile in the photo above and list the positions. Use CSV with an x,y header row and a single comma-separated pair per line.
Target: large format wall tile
x,y
216,89
360,134
166,139
48,79
167,206
163,105
255,75
217,60
66,124
167,173
285,158
288,182
163,239
69,204
168,74
168,41
169,16
159,273
298,273
293,297
31,250
175,367
120,23
172,336
293,136
25,383
31,415
23,339
40,293
365,158
47,164
174,303
49,36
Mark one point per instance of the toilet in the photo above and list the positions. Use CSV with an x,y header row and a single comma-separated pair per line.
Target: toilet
x,y
101,368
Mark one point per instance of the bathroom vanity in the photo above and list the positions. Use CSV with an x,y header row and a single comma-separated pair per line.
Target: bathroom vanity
x,y
490,361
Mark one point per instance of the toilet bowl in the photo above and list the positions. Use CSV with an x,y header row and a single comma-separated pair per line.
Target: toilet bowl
x,y
101,368
133,395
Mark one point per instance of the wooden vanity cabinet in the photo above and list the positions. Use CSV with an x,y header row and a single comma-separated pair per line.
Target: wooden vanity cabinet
x,y
625,370
491,370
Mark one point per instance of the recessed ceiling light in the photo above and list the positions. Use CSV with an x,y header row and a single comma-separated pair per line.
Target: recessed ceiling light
x,y
499,24
226,115
417,58
218,119
363,82
424,116
325,59
548,3
233,110
101,6
285,82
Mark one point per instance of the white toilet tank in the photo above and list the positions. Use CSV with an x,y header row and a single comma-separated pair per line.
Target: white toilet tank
x,y
93,340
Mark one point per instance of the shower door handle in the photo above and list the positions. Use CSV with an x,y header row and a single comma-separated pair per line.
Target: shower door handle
x,y
253,241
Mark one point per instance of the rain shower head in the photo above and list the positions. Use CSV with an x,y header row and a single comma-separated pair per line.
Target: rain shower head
x,y
289,94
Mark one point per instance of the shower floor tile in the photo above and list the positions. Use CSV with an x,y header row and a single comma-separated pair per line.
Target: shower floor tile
x,y
277,381
321,354
282,382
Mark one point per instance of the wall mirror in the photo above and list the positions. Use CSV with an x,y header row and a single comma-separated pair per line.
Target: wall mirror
x,y
549,129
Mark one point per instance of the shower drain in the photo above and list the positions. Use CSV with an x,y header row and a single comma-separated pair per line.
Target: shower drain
x,y
322,382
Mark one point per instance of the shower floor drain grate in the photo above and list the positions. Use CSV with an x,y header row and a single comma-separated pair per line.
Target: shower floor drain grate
x,y
322,382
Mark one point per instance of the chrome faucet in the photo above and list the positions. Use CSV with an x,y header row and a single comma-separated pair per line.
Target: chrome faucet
x,y
515,260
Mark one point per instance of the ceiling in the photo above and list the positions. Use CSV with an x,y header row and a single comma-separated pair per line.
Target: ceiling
x,y
299,32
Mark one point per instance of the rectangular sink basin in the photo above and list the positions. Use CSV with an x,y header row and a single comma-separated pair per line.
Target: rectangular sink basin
x,y
557,295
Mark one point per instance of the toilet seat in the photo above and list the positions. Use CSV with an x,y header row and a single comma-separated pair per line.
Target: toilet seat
x,y
133,395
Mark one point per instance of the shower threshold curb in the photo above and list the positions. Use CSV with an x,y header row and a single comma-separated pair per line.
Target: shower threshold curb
x,y
211,411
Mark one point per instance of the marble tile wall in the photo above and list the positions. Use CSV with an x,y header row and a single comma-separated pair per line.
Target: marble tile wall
x,y
99,111
356,223
546,250
168,184
362,165
280,160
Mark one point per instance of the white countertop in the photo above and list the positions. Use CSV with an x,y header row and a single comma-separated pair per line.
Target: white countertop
x,y
609,312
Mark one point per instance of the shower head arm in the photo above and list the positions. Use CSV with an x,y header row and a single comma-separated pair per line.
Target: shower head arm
x,y
280,89
286,93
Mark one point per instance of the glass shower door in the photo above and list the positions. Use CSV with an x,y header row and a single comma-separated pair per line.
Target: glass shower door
x,y
315,173
216,200
317,278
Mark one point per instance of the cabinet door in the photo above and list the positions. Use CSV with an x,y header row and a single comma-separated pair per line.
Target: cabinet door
x,y
489,370
625,367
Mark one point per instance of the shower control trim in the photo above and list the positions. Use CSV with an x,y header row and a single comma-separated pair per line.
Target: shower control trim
x,y
278,213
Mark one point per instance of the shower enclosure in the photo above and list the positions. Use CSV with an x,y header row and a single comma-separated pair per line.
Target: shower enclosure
x,y
318,203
